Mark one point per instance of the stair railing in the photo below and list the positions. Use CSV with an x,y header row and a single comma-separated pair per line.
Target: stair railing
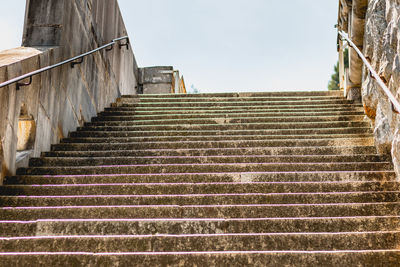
x,y
73,61
372,72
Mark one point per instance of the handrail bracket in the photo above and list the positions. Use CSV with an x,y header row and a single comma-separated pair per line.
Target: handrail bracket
x,y
18,85
76,62
125,44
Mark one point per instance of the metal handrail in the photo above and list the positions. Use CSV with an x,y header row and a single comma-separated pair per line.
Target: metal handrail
x,y
392,98
72,60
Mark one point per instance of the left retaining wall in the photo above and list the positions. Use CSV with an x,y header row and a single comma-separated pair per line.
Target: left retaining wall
x,y
62,99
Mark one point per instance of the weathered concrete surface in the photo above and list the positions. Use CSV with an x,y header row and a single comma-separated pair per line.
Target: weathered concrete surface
x,y
264,183
62,99
156,80
382,47
358,11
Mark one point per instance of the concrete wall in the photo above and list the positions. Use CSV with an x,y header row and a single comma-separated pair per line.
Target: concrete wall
x,y
62,99
156,80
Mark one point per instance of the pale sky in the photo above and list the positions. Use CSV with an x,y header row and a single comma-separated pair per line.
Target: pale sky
x,y
224,45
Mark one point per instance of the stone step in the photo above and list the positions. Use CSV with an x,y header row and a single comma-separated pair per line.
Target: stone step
x,y
86,161
189,178
199,211
206,168
213,144
236,109
224,121
119,137
387,258
201,106
205,242
315,150
225,134
199,199
244,94
128,120
197,226
300,103
228,99
196,188
243,114
101,126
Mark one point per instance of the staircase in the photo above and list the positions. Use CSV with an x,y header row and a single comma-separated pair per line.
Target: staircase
x,y
208,180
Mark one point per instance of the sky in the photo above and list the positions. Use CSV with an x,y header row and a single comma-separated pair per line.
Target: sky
x,y
224,45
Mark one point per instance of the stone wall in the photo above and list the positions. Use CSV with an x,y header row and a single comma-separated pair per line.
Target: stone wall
x,y
382,48
60,100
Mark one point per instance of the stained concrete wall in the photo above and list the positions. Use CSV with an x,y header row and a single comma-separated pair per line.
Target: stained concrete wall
x,y
62,99
156,80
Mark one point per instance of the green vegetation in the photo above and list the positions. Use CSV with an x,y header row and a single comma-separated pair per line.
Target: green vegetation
x,y
334,82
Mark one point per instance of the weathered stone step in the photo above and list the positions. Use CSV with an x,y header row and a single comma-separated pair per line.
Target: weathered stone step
x,y
206,168
225,121
199,199
197,226
316,150
237,109
243,178
136,103
117,137
223,127
227,99
212,144
339,258
203,242
239,106
129,120
226,133
86,161
193,188
183,115
243,94
199,211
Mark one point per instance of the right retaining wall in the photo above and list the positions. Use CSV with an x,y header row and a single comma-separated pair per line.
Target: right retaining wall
x,y
382,48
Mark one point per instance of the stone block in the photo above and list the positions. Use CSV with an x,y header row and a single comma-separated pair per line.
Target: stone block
x,y
155,75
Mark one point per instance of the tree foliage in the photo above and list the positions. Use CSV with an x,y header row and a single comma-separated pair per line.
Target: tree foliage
x,y
334,82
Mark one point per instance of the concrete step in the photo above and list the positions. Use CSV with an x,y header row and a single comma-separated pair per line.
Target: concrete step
x,y
86,161
119,137
200,211
199,199
316,150
128,120
240,106
226,133
103,126
204,242
227,99
368,258
192,226
212,144
206,168
316,109
227,103
196,188
246,178
244,94
243,114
